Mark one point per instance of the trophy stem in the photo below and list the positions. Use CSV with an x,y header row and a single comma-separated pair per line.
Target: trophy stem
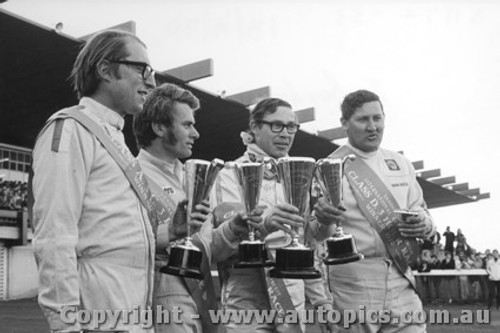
x,y
251,235
188,219
188,241
339,232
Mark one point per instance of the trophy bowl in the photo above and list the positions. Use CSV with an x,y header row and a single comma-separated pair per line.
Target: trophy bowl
x,y
329,174
403,214
251,252
296,261
185,258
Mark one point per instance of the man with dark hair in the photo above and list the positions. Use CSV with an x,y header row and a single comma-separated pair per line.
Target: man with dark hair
x,y
165,132
93,247
272,129
376,184
449,241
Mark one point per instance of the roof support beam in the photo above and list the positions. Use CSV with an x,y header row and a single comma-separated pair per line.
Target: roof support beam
x,y
443,180
482,196
305,115
251,97
470,193
128,26
418,165
194,71
333,133
458,187
429,173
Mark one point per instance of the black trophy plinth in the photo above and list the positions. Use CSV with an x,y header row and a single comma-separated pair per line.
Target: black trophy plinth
x,y
341,250
252,254
184,260
295,262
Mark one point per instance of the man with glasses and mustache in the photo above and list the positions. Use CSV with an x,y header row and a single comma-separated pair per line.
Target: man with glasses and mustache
x,y
272,129
376,184
93,244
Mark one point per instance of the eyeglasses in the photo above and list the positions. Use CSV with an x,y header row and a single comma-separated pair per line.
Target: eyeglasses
x,y
146,69
277,127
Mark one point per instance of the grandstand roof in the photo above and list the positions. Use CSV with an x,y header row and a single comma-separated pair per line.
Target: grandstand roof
x,y
36,61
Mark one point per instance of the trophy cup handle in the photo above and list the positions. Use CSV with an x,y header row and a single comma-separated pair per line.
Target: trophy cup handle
x,y
217,163
267,160
349,157
269,163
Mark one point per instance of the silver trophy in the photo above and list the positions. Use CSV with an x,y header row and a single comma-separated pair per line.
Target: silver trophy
x,y
329,175
199,177
251,252
403,214
296,261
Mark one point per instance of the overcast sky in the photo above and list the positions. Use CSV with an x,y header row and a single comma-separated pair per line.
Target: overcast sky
x,y
435,65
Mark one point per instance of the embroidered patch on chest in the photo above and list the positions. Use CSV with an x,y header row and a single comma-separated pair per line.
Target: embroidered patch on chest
x,y
392,165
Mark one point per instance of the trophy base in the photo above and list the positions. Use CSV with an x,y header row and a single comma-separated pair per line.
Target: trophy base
x,y
253,264
343,260
295,262
300,274
252,254
341,250
184,261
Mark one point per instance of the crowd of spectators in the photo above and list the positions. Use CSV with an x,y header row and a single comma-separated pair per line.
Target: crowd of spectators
x,y
457,254
13,195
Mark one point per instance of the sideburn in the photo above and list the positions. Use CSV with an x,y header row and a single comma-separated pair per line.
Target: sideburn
x,y
170,139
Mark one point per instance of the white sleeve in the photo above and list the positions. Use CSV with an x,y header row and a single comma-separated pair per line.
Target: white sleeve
x,y
61,165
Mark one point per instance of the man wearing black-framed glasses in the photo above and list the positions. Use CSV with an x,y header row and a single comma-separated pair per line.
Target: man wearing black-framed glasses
x,y
145,69
93,241
277,126
272,129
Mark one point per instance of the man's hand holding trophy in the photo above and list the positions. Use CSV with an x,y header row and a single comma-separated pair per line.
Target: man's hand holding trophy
x,y
199,176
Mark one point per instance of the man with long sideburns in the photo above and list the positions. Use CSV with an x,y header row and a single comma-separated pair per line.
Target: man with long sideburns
x,y
165,131
376,183
272,129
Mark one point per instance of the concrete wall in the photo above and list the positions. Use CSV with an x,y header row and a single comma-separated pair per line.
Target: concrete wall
x,y
14,175
18,274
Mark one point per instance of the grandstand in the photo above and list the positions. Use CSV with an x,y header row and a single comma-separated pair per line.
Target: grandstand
x,y
34,84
